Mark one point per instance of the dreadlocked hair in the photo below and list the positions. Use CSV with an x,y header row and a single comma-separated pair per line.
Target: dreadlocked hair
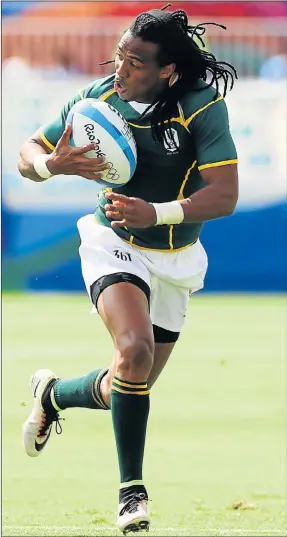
x,y
176,41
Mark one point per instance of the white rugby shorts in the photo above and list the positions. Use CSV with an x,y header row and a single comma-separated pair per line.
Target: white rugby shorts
x,y
171,276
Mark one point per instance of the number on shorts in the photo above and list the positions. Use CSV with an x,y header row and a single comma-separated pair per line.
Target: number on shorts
x,y
124,256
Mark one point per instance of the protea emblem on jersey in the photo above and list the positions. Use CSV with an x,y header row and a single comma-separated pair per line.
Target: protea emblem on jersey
x,y
171,141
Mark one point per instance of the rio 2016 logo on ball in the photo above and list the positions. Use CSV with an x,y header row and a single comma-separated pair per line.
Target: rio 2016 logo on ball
x,y
99,122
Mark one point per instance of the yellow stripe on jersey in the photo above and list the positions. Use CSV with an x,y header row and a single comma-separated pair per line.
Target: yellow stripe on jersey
x,y
221,163
46,141
180,194
190,118
106,95
171,237
164,250
178,119
128,385
182,116
139,126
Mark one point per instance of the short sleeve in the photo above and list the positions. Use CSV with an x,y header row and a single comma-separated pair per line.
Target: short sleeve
x,y
52,132
211,133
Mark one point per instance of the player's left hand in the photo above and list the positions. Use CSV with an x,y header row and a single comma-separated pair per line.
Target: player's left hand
x,y
133,212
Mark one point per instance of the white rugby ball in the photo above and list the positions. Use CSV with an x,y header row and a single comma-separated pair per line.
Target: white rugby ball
x,y
99,122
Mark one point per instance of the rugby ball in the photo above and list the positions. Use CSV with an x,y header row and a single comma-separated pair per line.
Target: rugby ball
x,y
99,122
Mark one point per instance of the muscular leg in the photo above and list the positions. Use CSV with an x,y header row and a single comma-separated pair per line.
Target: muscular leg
x,y
124,310
162,353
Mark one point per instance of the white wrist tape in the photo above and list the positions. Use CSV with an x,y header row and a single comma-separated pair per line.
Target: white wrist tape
x,y
168,213
40,166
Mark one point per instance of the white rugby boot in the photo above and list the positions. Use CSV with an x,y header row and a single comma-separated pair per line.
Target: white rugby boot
x,y
133,514
38,427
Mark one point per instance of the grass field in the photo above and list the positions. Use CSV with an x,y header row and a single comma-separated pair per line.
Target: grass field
x,y
215,459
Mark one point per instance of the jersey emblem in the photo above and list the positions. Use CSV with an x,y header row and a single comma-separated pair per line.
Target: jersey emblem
x,y
171,143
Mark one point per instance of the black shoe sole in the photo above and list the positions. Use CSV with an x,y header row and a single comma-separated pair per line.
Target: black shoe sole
x,y
144,525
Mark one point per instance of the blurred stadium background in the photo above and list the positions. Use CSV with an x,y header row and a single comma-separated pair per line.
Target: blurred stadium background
x,y
54,48
216,457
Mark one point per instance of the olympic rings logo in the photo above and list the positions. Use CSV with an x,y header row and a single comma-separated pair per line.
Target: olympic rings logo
x,y
111,173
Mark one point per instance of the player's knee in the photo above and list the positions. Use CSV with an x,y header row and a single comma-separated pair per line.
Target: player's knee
x,y
135,355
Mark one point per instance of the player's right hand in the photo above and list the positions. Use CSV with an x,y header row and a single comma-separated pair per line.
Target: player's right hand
x,y
69,160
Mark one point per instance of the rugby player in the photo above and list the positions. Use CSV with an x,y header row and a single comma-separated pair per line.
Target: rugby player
x,y
140,252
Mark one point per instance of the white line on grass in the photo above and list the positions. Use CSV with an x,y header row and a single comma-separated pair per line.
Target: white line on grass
x,y
157,529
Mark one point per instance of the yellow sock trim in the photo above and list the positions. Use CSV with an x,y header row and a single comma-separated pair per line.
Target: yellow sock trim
x,y
53,401
131,483
127,385
145,392
96,391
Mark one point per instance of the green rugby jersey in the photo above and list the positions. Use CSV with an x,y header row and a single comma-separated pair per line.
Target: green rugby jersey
x,y
164,172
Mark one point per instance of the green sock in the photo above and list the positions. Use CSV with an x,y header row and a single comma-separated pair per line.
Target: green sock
x,y
130,410
79,392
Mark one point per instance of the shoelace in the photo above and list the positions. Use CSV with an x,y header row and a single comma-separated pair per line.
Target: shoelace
x,y
47,420
131,505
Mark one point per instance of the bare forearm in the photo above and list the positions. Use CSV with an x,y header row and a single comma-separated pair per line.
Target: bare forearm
x,y
63,160
218,198
208,203
25,164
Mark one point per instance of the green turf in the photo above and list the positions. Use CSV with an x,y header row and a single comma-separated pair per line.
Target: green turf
x,y
216,437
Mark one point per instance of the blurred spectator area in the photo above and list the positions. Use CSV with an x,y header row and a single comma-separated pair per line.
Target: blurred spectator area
x,y
78,35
